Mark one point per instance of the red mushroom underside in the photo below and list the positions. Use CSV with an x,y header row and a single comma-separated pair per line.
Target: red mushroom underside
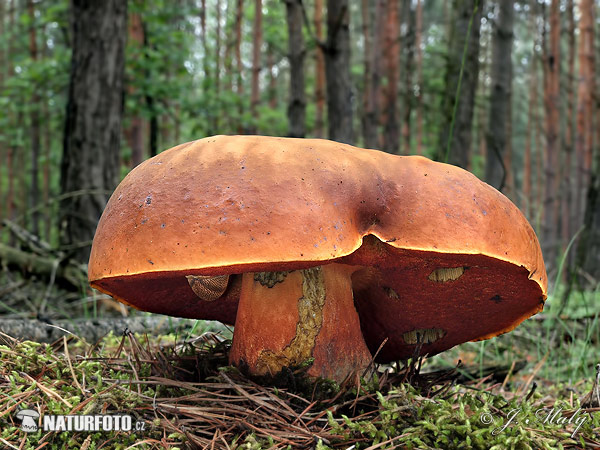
x,y
327,313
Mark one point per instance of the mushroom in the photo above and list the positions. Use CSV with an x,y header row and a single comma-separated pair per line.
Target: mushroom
x,y
318,251
28,419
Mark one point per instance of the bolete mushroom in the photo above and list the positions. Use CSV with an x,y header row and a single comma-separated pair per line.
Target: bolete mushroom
x,y
318,251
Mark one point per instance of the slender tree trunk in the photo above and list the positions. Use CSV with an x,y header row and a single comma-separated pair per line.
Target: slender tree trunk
x,y
34,189
256,63
229,44
239,84
177,123
337,70
272,90
151,101
566,198
585,106
531,126
458,104
215,114
408,49
21,172
48,222
368,122
3,147
419,70
10,150
510,175
297,106
373,19
551,163
498,139
319,72
93,122
135,132
391,51
481,113
203,41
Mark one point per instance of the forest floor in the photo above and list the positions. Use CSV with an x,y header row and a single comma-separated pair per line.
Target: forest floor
x,y
536,387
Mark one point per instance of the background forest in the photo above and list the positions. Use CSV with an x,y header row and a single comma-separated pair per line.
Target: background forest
x,y
508,89
505,89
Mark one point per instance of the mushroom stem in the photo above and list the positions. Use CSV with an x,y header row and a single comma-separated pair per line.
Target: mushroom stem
x,y
286,320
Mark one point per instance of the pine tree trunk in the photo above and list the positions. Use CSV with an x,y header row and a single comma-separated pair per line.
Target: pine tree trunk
x,y
567,178
34,189
319,73
373,14
203,42
93,121
10,150
588,173
151,101
272,90
408,43
229,43
256,63
337,72
497,138
48,219
585,106
135,132
216,110
369,122
482,110
3,147
455,138
551,162
391,52
239,85
531,126
419,70
297,105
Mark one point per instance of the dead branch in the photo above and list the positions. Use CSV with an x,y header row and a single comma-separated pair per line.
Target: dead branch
x,y
42,265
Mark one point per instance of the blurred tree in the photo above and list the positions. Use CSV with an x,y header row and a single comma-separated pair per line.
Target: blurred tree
x,y
588,169
257,39
462,70
372,26
34,117
239,13
408,43
337,71
319,72
586,92
134,132
531,126
419,71
90,164
3,146
566,199
297,103
498,138
391,56
552,122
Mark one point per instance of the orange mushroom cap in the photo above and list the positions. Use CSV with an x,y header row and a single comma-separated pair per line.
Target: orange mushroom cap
x,y
447,257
